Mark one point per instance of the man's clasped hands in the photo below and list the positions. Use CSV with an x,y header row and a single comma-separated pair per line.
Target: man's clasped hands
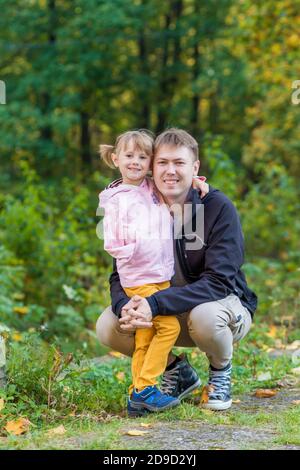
x,y
136,314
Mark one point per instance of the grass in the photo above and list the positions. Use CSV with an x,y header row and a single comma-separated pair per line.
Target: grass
x,y
109,434
90,400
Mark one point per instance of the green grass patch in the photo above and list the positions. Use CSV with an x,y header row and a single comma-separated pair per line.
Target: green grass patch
x,y
48,388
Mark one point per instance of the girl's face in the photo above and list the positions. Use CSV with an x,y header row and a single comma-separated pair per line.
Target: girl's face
x,y
133,164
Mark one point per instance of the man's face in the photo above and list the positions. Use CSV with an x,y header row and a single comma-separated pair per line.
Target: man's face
x,y
173,171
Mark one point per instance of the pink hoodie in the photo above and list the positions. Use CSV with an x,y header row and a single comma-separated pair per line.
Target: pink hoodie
x,y
138,233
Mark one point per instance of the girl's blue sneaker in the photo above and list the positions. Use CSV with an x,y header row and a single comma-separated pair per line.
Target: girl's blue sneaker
x,y
151,398
135,412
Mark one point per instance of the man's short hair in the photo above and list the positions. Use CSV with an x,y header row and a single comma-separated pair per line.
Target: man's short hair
x,y
177,138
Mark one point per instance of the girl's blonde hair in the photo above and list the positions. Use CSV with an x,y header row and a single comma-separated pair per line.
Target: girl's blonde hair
x,y
142,139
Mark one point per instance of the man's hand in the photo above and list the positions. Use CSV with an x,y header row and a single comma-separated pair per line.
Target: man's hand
x,y
134,302
125,316
200,185
139,317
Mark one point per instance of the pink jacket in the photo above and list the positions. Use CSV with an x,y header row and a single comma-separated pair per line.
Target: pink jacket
x,y
138,233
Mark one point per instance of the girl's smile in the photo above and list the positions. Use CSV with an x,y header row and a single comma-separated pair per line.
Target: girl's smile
x,y
133,164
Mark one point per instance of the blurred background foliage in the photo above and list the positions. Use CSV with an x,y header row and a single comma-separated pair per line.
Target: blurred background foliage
x,y
78,73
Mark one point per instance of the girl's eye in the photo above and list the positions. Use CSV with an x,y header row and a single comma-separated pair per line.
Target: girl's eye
x,y
143,157
129,155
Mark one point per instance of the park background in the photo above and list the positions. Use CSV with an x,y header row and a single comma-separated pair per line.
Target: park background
x,y
77,74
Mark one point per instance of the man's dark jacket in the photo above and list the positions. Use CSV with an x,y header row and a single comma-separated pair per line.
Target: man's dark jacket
x,y
212,272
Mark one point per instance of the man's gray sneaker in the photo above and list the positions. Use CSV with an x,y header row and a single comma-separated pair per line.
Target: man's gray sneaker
x,y
219,389
180,380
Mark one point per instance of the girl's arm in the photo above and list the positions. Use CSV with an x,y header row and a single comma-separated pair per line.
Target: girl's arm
x,y
118,239
201,186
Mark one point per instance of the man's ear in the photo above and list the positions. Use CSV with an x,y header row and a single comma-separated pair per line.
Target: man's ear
x,y
196,167
115,160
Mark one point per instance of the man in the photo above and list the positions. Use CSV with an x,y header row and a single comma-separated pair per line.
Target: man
x,y
208,292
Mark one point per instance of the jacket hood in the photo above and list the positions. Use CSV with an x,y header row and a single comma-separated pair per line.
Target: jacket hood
x,y
116,188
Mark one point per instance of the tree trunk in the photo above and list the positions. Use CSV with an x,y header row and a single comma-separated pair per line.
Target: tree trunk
x,y
214,112
85,139
177,8
46,131
2,363
168,83
196,99
162,115
144,120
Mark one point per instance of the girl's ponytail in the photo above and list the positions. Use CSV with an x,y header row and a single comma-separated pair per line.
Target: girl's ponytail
x,y
105,153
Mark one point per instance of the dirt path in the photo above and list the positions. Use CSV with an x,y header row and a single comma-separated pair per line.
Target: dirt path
x,y
196,434
202,435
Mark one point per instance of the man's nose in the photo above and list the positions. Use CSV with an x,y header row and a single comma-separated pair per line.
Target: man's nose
x,y
170,169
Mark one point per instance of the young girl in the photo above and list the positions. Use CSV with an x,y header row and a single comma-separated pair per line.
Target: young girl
x,y
138,233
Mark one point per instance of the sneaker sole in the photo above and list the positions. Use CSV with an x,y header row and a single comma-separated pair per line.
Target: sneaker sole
x,y
137,413
218,406
146,407
190,389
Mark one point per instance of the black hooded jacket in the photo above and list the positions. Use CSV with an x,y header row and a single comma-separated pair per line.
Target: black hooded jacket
x,y
212,271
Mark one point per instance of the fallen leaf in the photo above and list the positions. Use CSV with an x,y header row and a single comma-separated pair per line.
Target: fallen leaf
x,y
265,393
236,401
296,371
16,336
207,412
21,310
72,413
56,431
116,354
1,404
18,296
120,376
296,402
17,427
272,333
288,381
136,432
204,396
270,282
146,425
264,376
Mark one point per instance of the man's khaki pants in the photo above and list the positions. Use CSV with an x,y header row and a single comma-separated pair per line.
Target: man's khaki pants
x,y
213,327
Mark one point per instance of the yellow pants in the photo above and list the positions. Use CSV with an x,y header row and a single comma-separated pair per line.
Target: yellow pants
x,y
152,345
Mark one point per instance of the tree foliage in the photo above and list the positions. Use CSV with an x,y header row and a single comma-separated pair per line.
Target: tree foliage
x,y
78,73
